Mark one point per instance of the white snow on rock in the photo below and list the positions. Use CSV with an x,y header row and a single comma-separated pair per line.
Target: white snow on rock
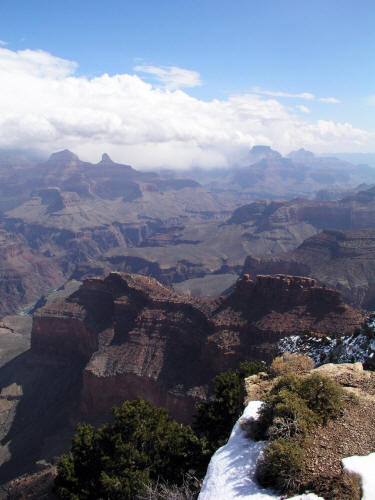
x,y
343,349
231,471
365,467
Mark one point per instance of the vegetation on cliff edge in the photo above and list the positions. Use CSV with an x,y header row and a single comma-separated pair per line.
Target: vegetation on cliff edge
x,y
143,446
215,418
291,409
145,450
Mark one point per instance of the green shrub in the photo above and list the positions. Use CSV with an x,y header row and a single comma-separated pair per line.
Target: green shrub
x,y
144,450
283,402
142,446
292,407
291,382
281,465
321,394
324,396
288,406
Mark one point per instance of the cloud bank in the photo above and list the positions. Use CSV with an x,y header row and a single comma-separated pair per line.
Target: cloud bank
x,y
45,105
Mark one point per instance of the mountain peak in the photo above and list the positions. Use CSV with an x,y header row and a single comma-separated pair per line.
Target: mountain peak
x,y
302,155
64,155
106,158
260,149
261,152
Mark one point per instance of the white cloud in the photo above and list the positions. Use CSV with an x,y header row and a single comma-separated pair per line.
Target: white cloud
x,y
330,100
34,63
3,43
172,77
278,93
303,95
303,108
45,105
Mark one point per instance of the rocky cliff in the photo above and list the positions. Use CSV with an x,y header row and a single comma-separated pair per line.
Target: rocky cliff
x,y
341,259
126,336
138,338
352,212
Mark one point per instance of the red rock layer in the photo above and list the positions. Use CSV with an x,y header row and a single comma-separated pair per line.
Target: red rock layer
x,y
139,338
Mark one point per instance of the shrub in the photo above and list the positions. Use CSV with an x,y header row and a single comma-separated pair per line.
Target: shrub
x,y
189,490
290,382
288,406
293,405
324,396
321,394
143,445
284,428
281,465
291,363
345,486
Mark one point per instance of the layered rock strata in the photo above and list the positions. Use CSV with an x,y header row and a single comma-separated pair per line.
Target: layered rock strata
x,y
138,338
344,260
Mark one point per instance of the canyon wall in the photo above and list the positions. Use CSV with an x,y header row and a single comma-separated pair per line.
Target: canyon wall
x,y
139,338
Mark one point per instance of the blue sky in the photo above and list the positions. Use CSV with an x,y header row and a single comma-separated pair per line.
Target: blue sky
x,y
313,61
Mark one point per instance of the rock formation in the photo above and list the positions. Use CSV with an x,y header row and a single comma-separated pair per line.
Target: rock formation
x,y
64,212
81,219
139,338
351,213
344,260
126,336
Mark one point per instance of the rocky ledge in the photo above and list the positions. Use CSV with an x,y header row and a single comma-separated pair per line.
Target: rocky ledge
x,y
349,434
138,338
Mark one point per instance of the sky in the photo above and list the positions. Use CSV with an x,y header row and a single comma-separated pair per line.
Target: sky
x,y
187,82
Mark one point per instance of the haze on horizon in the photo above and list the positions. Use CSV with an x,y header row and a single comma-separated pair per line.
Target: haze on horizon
x,y
180,84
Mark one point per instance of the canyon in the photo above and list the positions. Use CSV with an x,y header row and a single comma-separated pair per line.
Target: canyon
x,y
63,219
72,235
125,336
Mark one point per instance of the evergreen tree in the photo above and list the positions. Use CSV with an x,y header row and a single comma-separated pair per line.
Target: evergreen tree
x,y
143,445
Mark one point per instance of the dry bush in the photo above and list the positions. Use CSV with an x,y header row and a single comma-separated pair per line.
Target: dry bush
x,y
346,486
283,428
291,363
189,490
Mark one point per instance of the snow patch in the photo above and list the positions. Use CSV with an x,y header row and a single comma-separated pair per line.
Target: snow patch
x,y
364,466
343,349
231,471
